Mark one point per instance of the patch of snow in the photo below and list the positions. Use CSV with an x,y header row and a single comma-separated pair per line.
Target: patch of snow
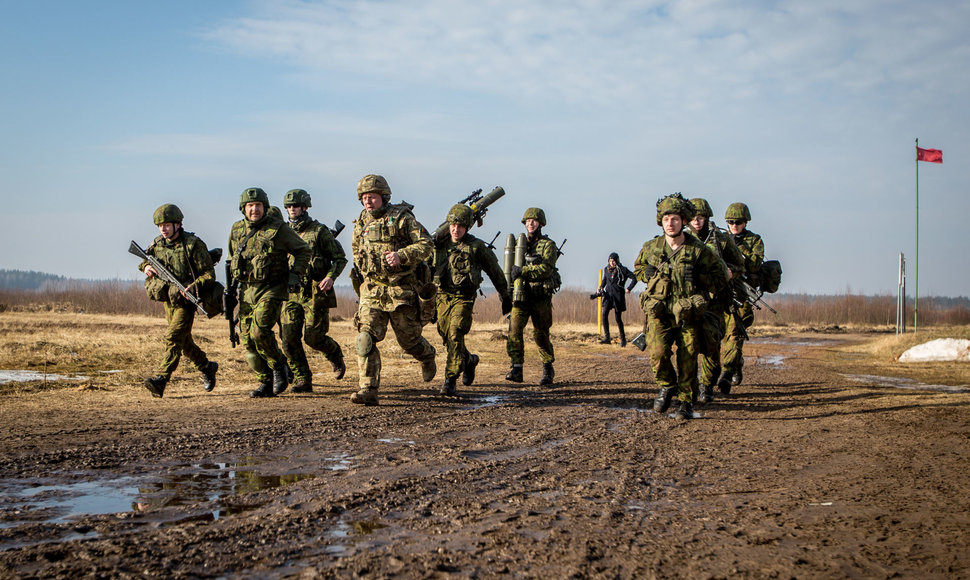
x,y
28,376
941,349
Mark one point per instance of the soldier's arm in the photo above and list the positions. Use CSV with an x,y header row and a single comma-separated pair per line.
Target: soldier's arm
x,y
757,254
421,245
713,275
202,263
294,245
643,269
329,246
732,256
548,254
491,267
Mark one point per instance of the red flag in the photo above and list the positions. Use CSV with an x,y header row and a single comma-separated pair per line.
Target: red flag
x,y
929,155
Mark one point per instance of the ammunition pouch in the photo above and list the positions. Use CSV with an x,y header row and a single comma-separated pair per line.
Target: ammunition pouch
x,y
156,289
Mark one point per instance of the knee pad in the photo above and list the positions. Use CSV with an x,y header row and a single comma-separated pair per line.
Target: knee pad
x,y
365,344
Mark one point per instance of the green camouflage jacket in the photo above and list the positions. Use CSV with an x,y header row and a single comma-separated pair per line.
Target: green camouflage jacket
x,y
693,273
540,275
458,266
327,258
259,252
392,228
187,258
753,250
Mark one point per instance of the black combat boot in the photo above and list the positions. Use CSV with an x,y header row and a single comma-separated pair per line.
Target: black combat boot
x,y
288,371
302,386
339,368
366,397
664,397
265,390
279,378
686,411
156,385
724,383
209,374
548,373
622,335
736,379
449,389
468,374
707,394
428,370
606,337
515,374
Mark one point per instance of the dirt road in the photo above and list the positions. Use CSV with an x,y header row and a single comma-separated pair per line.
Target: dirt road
x,y
804,472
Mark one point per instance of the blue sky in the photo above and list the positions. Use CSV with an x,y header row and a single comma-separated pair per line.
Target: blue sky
x,y
592,110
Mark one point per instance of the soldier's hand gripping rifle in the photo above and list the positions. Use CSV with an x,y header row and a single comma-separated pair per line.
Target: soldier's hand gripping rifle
x,y
230,299
745,292
479,204
162,272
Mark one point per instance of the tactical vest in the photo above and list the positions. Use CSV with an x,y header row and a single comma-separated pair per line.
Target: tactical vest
x,y
379,236
310,231
257,258
456,269
551,283
674,276
176,256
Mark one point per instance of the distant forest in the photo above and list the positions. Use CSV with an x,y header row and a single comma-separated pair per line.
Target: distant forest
x,y
40,281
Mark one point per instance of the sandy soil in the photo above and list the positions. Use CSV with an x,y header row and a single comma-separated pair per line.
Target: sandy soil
x,y
803,472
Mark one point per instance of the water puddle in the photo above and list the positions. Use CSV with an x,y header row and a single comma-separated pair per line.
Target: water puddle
x,y
487,401
345,530
395,440
791,341
9,376
901,383
45,500
775,360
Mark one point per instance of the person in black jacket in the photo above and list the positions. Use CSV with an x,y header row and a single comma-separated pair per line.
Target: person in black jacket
x,y
616,276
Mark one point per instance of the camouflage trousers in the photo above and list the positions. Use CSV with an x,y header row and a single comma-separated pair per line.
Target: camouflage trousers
x,y
712,332
540,311
732,347
259,311
406,322
307,319
454,322
178,340
663,334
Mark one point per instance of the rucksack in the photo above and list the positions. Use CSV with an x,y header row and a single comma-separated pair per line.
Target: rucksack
x,y
770,276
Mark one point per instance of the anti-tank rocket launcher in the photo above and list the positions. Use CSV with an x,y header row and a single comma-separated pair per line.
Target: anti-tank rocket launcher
x,y
478,203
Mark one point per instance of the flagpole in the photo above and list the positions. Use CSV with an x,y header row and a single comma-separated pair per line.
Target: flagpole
x,y
916,291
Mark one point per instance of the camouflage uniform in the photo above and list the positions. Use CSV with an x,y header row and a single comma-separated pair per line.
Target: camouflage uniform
x,y
306,315
389,294
678,285
721,307
458,270
540,280
732,347
259,253
188,259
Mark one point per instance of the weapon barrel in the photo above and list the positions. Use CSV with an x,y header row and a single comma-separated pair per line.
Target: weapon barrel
x,y
509,258
338,226
518,292
488,200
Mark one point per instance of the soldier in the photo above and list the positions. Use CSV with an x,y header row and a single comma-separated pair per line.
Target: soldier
x,y
188,259
540,280
721,308
459,260
390,248
752,248
680,273
311,304
611,289
260,245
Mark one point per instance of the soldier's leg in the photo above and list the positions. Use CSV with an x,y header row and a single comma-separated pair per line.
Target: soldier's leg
x,y
688,345
292,321
711,334
173,341
406,321
444,305
461,323
317,329
515,346
247,323
541,323
660,342
732,347
266,314
371,329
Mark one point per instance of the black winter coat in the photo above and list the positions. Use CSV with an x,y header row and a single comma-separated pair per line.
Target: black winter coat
x,y
614,286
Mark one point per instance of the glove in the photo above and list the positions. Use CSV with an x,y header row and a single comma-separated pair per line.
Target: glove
x,y
506,305
649,270
516,273
293,284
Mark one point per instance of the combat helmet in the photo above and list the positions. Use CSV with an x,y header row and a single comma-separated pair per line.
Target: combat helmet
x,y
701,207
460,214
674,203
737,211
535,213
374,184
168,212
296,197
253,194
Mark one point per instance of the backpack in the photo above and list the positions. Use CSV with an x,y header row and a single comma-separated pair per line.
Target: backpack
x,y
770,276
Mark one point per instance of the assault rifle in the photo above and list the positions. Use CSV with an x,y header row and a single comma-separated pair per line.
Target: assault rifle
x,y
338,226
162,272
230,299
479,204
745,292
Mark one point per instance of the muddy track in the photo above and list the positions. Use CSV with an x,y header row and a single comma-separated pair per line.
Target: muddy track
x,y
801,473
